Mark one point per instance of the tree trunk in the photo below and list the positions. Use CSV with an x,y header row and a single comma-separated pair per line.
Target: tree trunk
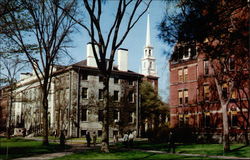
x,y
45,116
105,127
226,144
224,103
246,133
8,129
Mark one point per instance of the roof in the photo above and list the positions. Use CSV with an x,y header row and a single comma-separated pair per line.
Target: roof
x,y
83,64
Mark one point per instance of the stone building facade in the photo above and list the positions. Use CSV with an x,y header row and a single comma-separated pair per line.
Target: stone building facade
x,y
75,99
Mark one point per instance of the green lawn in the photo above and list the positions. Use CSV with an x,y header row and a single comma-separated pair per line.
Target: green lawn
x,y
123,154
18,147
237,150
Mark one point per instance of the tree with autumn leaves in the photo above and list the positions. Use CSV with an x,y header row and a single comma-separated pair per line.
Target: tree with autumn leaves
x,y
220,30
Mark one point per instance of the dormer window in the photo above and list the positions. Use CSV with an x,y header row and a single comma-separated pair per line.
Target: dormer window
x,y
187,53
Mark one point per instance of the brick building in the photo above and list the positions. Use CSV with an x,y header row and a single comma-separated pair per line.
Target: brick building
x,y
194,99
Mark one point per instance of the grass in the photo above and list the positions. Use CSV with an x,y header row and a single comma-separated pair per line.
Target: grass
x,y
237,150
18,147
123,154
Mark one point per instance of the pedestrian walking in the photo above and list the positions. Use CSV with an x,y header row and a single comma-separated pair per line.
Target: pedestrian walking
x,y
88,138
94,138
62,139
131,138
125,139
171,144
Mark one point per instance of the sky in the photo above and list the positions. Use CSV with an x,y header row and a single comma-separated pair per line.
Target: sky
x,y
134,42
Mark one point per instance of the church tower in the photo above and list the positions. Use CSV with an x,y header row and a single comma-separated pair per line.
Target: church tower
x,y
148,66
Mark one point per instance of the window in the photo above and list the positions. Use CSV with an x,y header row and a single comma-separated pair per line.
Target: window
x,y
84,77
206,92
186,96
180,75
186,119
231,64
180,96
115,133
83,132
100,78
131,117
234,118
84,115
84,92
116,115
224,90
99,133
130,82
150,65
100,93
187,53
206,68
116,80
100,115
181,120
207,119
234,94
149,52
185,74
131,97
116,97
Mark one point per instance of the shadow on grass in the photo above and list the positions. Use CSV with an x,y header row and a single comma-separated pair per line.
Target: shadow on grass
x,y
238,148
152,154
17,147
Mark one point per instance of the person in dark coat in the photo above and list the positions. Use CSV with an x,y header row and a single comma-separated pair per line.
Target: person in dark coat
x,y
171,142
62,139
94,138
88,138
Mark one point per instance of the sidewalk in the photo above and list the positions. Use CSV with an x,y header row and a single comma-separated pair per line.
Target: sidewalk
x,y
45,156
74,149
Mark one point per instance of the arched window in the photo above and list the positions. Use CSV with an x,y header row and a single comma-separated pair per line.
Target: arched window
x,y
149,52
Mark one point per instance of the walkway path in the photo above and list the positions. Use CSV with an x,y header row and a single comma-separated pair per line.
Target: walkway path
x,y
45,156
74,149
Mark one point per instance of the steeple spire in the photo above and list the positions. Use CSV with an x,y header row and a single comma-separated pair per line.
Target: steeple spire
x,y
148,66
148,32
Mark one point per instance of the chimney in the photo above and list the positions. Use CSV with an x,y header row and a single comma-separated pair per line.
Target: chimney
x,y
123,59
25,75
90,55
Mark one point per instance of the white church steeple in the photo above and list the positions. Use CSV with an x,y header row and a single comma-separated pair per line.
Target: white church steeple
x,y
148,33
148,67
